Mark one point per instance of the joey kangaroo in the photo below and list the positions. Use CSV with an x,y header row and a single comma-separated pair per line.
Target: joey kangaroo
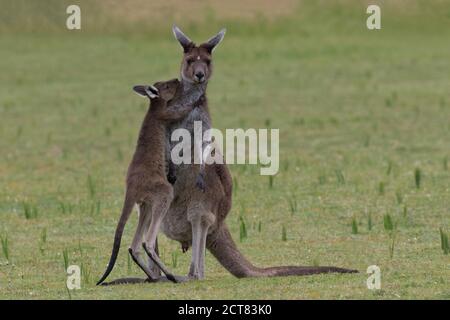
x,y
146,183
195,217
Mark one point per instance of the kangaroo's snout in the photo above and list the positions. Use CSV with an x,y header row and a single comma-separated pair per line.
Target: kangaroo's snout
x,y
199,76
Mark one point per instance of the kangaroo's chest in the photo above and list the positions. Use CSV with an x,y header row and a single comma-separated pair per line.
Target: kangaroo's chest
x,y
179,131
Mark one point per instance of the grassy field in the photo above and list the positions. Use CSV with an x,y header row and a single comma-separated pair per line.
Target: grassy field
x,y
364,119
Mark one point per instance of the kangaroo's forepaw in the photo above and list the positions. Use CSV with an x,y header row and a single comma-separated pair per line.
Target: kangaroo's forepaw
x,y
200,183
171,178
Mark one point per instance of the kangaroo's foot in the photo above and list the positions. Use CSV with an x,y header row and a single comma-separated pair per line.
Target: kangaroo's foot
x,y
181,279
152,254
137,259
132,280
195,274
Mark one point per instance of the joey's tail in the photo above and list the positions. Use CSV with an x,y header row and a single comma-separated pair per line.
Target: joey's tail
x,y
222,246
126,212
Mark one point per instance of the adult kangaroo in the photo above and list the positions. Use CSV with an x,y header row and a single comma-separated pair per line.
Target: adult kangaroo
x,y
196,217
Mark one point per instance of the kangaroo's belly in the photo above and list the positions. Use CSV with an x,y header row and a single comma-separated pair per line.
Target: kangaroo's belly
x,y
175,224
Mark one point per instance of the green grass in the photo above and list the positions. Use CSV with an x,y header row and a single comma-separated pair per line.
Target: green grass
x,y
5,246
283,233
417,177
354,226
444,242
369,222
389,225
66,258
242,229
43,240
293,205
354,108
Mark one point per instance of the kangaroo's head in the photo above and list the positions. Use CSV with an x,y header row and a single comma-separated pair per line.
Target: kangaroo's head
x,y
167,89
196,66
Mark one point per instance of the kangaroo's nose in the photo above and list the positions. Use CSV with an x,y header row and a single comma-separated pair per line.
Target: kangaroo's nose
x,y
199,75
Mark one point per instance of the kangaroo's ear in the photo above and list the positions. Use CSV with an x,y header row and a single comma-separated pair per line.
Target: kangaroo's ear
x,y
146,91
212,43
185,42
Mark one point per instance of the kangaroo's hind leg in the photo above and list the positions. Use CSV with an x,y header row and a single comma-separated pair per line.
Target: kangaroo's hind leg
x,y
135,249
160,204
155,270
200,224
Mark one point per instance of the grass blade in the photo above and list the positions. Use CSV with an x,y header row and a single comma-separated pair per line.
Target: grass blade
x,y
418,177
354,226
388,222
340,176
66,258
91,186
5,246
444,241
369,222
174,259
292,201
242,229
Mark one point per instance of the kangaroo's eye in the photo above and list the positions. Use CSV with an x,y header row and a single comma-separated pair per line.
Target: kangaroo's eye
x,y
208,62
190,61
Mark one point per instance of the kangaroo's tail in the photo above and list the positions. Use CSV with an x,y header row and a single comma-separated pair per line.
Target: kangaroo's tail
x,y
126,212
222,246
